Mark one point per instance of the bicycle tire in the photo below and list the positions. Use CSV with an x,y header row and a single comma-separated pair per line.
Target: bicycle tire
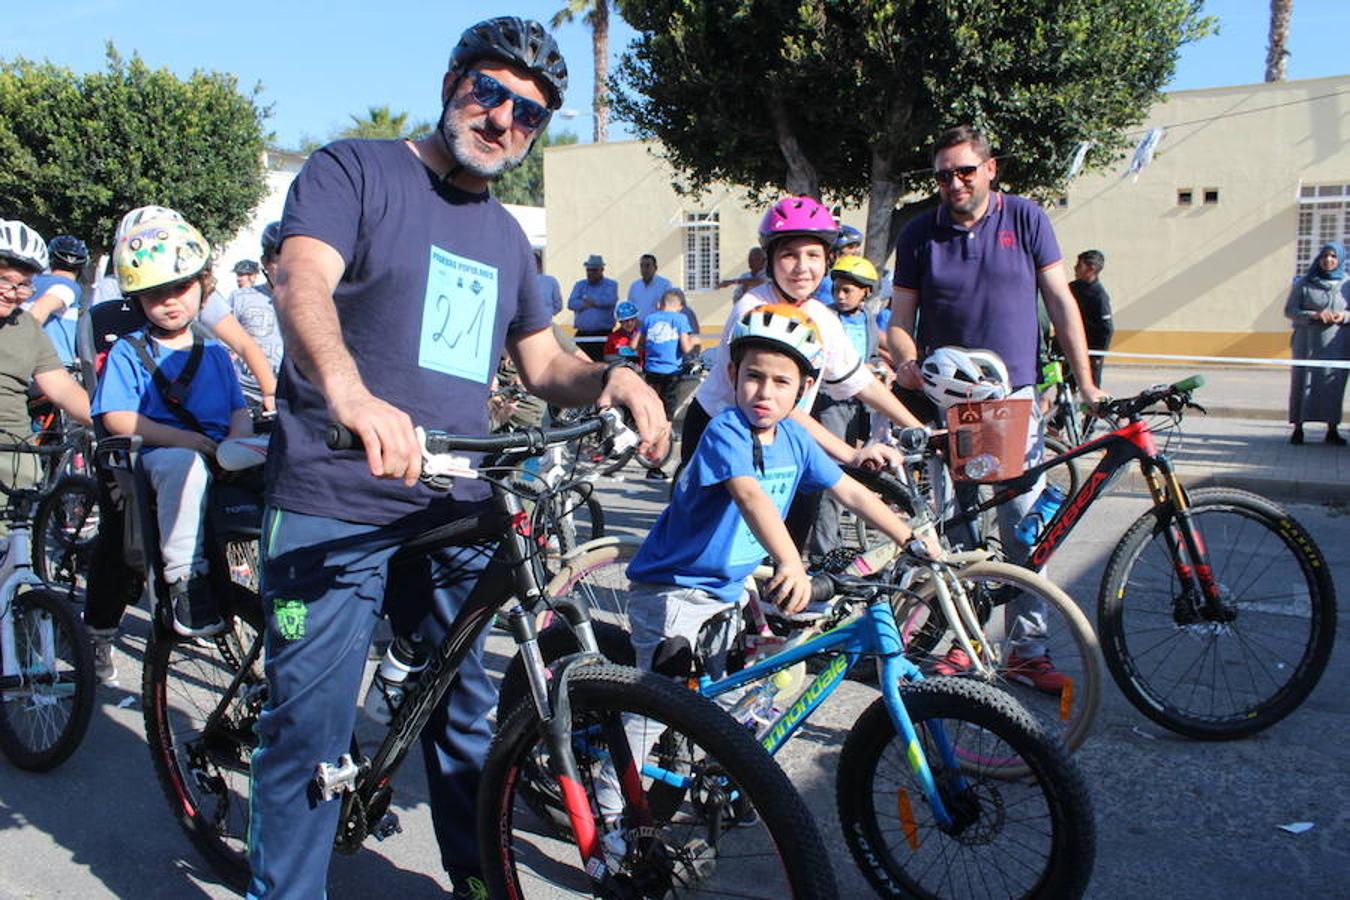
x,y
1070,642
1066,476
792,860
1272,574
1054,848
44,718
65,527
205,775
597,578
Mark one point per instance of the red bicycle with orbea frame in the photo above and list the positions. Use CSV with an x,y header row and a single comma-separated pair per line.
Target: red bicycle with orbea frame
x,y
1217,611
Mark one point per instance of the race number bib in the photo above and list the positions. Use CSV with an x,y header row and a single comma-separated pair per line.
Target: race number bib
x,y
459,317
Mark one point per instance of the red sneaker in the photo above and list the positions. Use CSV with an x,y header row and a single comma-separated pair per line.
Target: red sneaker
x,y
956,662
1035,671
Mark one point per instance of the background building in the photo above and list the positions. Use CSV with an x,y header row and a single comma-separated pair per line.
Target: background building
x,y
1201,246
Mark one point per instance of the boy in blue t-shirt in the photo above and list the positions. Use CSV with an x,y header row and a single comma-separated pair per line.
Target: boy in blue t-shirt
x,y
667,339
180,394
728,507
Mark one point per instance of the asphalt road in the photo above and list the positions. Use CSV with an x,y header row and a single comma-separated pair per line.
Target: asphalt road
x,y
1175,817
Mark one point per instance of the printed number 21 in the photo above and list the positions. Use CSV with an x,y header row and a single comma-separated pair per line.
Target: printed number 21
x,y
475,325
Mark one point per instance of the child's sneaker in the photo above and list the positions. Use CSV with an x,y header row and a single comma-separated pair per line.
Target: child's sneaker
x,y
105,670
1035,671
194,612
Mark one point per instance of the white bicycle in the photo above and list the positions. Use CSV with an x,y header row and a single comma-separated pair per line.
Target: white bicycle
x,y
46,662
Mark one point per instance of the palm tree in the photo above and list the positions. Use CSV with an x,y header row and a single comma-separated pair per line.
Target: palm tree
x,y
595,13
1277,52
383,122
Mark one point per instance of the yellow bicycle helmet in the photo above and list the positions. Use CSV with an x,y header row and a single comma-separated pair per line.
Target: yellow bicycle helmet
x,y
159,252
856,269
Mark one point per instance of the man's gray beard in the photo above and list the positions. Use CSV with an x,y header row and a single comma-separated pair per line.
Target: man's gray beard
x,y
457,134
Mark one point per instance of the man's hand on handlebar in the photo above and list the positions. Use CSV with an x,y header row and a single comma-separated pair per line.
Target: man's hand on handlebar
x,y
386,432
627,389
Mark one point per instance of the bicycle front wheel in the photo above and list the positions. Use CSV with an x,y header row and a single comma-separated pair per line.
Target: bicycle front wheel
x,y
48,700
735,827
1031,837
597,579
1223,673
1008,600
199,724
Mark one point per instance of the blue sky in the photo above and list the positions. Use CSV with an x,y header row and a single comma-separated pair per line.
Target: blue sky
x,y
320,62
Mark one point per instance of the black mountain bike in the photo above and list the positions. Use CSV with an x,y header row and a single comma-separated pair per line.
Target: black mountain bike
x,y
202,700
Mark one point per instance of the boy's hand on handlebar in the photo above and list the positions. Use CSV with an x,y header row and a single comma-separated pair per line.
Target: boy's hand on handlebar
x,y
925,544
627,389
876,456
392,448
789,589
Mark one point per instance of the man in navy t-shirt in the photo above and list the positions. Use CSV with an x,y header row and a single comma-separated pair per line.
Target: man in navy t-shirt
x,y
970,272
401,281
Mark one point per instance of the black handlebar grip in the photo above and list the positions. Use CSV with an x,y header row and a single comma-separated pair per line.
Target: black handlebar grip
x,y
340,437
822,588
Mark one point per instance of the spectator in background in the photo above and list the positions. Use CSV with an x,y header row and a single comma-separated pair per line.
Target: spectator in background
x,y
56,294
1317,309
1095,306
757,274
647,291
245,273
592,303
549,288
251,304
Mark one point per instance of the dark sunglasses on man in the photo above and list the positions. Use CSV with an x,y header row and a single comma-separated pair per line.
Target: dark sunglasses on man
x,y
965,173
490,93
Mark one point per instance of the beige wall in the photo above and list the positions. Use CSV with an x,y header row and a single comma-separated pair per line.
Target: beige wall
x,y
1206,280
1212,280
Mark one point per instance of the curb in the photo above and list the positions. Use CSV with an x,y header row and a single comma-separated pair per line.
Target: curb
x,y
1284,490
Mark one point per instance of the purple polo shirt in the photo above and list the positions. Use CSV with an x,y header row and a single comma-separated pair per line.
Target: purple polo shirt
x,y
977,286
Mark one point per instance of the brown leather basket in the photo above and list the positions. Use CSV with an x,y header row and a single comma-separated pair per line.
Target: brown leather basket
x,y
988,428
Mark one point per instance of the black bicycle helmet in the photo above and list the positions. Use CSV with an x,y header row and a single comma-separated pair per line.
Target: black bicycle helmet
x,y
517,42
246,267
67,251
271,238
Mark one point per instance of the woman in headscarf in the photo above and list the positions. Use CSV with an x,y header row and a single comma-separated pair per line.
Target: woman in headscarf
x,y
1317,309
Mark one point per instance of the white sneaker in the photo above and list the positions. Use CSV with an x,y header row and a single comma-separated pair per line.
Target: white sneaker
x,y
105,670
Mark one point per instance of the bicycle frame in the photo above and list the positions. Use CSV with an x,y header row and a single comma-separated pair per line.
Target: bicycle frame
x,y
874,633
1131,442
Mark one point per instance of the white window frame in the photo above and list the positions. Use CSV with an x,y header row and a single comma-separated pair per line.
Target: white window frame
x,y
702,250
1323,215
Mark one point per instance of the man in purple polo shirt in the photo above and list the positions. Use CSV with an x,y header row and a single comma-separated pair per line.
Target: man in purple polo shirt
x,y
969,274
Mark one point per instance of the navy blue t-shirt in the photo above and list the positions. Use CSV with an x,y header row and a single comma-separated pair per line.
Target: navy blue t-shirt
x,y
435,280
977,287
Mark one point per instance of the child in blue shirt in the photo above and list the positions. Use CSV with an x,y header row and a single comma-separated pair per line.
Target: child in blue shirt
x,y
727,510
180,394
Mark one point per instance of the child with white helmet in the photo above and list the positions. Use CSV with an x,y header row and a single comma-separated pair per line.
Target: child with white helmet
x,y
177,391
798,234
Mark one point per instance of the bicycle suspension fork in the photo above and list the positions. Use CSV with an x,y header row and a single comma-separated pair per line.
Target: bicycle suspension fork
x,y
1201,596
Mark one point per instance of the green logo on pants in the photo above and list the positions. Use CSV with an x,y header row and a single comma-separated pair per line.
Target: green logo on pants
x,y
290,616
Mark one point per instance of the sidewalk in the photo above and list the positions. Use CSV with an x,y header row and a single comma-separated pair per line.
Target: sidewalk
x,y
1243,442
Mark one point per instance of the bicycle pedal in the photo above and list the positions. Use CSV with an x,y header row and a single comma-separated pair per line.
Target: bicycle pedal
x,y
387,827
333,780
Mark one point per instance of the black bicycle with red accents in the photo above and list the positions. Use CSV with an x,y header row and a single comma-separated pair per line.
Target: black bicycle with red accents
x,y
1217,610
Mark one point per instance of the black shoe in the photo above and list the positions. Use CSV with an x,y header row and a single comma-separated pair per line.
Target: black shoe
x,y
194,612
656,475
1334,438
1297,437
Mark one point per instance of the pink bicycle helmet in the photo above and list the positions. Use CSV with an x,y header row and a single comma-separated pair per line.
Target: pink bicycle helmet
x,y
797,217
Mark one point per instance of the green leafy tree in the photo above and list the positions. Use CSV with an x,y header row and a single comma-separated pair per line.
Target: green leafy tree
x,y
525,183
595,13
844,98
81,150
382,122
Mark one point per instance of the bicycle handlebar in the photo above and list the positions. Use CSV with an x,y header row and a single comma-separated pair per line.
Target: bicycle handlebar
x,y
608,422
1177,396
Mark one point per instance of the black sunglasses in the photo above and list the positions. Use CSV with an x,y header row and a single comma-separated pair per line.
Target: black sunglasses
x,y
490,93
945,176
